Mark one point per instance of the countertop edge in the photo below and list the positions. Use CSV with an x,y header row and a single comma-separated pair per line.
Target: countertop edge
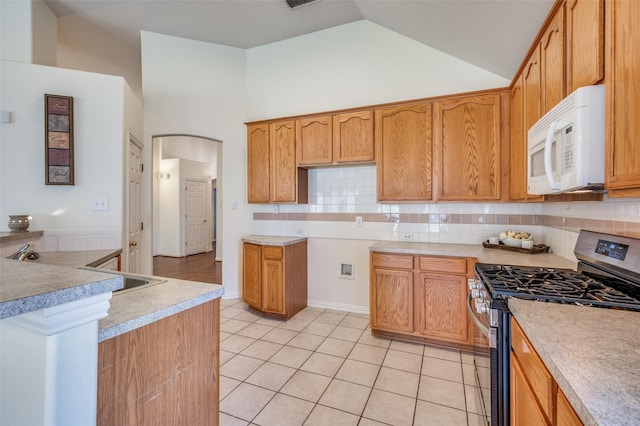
x,y
146,319
272,240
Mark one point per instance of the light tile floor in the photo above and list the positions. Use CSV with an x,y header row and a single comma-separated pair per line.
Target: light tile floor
x,y
324,367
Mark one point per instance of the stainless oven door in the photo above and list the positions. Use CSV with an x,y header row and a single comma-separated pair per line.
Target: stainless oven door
x,y
481,359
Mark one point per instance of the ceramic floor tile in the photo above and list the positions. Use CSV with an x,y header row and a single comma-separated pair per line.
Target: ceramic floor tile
x,y
330,318
248,317
359,372
291,357
227,420
307,314
475,397
225,303
327,365
319,328
225,356
470,378
240,367
346,333
369,339
284,410
294,324
442,369
271,376
305,385
323,416
398,381
270,322
224,335
367,353
355,322
428,414
306,341
255,331
230,312
246,401
442,353
403,361
477,420
402,346
233,325
368,422
345,396
261,349
390,408
236,343
335,347
443,392
227,385
279,335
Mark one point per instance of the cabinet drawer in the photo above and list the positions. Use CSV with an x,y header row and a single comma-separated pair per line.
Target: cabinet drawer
x,y
451,265
534,370
382,260
272,253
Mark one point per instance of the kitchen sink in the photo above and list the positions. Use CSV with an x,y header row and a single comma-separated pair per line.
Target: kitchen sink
x,y
131,281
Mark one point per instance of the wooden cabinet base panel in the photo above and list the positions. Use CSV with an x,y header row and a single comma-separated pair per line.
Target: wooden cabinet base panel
x,y
273,315
417,338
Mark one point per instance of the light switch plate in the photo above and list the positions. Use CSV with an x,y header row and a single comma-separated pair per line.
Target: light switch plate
x,y
5,116
100,204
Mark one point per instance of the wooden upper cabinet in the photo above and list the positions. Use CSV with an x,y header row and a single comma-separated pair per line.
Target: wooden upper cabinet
x,y
258,163
314,142
585,43
553,62
403,138
353,137
622,148
467,148
517,145
283,161
531,84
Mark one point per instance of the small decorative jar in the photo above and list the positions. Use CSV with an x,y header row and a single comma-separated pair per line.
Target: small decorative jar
x,y
19,222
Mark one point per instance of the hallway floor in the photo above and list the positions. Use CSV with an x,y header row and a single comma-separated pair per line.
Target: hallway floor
x,y
198,267
324,367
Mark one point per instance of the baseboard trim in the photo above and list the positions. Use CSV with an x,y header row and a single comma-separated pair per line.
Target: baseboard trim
x,y
338,306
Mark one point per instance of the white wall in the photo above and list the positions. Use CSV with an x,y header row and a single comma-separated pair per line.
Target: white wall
x,y
98,145
201,91
352,65
45,34
28,32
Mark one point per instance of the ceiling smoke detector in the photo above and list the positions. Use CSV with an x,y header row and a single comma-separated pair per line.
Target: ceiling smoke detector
x,y
294,4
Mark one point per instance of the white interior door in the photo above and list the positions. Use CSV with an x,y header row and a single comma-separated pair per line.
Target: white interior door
x,y
134,225
196,219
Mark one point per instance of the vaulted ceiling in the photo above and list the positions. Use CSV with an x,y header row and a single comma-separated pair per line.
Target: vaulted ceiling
x,y
492,34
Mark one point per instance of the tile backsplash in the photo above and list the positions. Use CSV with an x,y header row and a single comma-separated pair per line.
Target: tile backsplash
x,y
338,196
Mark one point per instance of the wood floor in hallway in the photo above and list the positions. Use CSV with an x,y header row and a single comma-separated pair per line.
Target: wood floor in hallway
x,y
198,267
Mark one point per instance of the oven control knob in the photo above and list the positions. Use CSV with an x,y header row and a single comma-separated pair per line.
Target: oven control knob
x,y
473,284
478,294
482,307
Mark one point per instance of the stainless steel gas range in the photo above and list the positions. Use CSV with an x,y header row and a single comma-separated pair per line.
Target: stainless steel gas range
x,y
608,276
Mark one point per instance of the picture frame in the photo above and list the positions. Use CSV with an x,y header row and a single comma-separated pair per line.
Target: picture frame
x,y
58,140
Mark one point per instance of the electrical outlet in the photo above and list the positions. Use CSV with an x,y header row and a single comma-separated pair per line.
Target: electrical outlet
x,y
358,220
407,237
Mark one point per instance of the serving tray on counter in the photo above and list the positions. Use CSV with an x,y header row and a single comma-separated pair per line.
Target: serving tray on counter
x,y
538,248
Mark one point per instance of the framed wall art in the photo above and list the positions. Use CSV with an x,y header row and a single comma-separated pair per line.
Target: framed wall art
x,y
58,139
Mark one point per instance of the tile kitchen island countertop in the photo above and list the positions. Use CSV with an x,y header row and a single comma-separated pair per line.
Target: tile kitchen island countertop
x,y
484,255
593,355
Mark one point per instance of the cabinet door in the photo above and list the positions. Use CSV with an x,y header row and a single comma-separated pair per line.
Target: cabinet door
x,y
392,300
314,141
553,62
403,137
517,144
353,137
622,149
524,406
252,275
566,416
467,148
258,163
585,43
441,306
273,280
283,162
531,90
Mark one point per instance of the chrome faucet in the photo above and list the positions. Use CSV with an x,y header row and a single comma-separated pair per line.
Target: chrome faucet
x,y
24,253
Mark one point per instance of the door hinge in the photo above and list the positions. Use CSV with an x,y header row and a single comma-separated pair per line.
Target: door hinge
x,y
141,167
141,226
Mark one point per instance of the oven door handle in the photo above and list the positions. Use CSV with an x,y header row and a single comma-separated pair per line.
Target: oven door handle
x,y
483,328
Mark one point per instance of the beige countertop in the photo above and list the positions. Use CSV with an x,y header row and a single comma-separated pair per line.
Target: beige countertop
x,y
76,259
484,255
592,353
267,240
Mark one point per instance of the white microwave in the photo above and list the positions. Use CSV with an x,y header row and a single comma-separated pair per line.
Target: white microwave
x,y
566,146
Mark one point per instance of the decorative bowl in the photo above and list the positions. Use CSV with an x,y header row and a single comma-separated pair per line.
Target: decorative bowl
x,y
514,242
19,222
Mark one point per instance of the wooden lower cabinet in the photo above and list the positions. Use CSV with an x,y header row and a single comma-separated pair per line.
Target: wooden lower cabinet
x,y
166,372
274,278
535,396
421,298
